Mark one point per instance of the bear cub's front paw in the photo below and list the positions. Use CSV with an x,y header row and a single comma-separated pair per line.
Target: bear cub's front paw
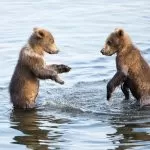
x,y
108,96
58,80
63,68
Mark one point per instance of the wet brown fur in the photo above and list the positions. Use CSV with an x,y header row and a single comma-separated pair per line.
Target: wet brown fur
x,y
132,69
31,67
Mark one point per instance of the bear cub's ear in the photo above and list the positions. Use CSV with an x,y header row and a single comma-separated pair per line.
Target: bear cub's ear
x,y
39,32
119,32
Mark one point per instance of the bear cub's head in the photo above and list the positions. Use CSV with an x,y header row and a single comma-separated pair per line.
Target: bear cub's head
x,y
43,39
115,42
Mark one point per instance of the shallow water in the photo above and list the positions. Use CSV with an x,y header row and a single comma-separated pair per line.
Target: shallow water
x,y
75,115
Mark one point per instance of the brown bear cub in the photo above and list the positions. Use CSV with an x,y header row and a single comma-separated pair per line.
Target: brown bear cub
x,y
31,67
133,72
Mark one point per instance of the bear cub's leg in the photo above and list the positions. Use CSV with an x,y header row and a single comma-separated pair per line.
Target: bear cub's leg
x,y
59,68
117,79
125,90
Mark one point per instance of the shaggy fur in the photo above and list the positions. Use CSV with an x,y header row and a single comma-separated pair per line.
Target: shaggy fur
x,y
31,67
133,72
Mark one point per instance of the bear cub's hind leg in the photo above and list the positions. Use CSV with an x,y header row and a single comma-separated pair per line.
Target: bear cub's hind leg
x,y
125,90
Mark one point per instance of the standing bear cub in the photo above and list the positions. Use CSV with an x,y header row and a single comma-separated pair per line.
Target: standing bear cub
x,y
31,67
133,72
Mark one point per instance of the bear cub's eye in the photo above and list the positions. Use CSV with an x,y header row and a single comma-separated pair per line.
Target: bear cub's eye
x,y
109,43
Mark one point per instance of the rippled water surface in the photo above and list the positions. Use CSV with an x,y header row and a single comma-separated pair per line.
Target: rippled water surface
x,y
76,115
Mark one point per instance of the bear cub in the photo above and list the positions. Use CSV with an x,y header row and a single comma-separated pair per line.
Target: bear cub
x,y
31,66
133,72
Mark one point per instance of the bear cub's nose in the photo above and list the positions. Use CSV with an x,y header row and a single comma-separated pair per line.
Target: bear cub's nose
x,y
57,51
102,51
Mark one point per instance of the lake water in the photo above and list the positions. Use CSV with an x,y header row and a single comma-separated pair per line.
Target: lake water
x,y
75,115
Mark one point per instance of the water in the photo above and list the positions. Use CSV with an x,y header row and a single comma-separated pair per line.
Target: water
x,y
75,115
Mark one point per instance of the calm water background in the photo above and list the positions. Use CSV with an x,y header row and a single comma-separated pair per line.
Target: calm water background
x,y
75,115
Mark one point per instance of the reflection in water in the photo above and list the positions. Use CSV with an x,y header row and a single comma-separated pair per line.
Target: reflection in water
x,y
131,137
34,136
132,129
80,28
